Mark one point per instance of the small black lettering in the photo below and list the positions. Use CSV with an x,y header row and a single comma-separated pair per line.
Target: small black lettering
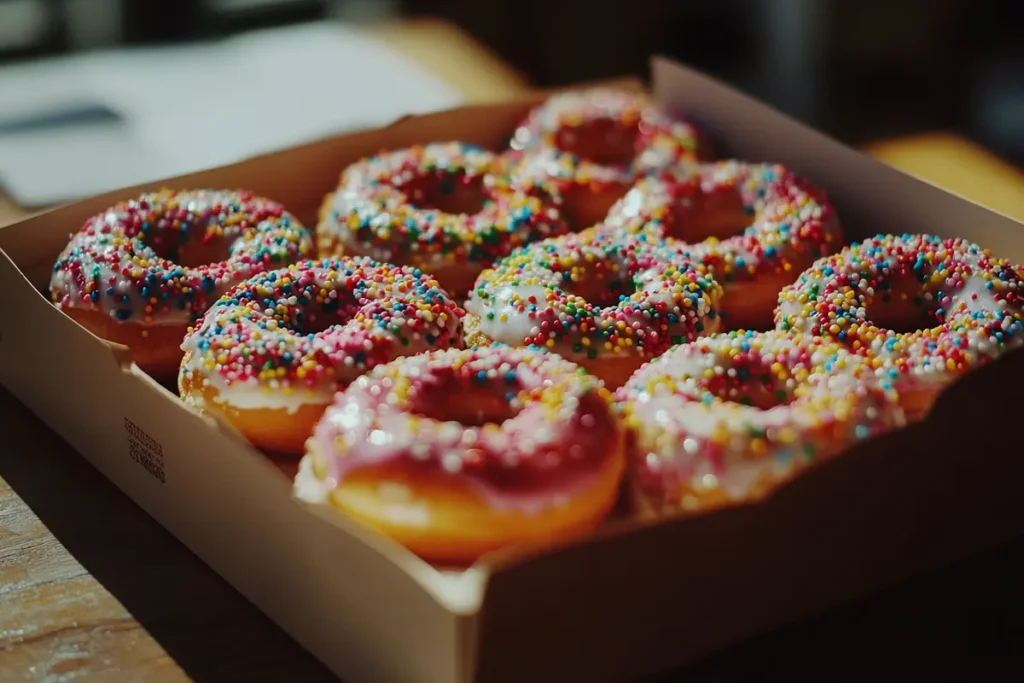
x,y
145,450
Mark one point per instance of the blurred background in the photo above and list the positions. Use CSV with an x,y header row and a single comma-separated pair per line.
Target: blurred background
x,y
861,70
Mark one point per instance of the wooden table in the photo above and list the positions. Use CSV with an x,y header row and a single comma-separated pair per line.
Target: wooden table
x,y
92,589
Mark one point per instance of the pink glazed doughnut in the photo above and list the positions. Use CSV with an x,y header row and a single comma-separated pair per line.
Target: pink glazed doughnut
x,y
456,453
727,419
753,226
592,145
143,270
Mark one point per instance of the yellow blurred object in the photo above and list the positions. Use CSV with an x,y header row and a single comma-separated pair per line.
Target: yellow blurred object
x,y
957,165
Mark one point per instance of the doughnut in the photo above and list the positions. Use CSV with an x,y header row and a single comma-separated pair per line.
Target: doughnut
x,y
142,271
456,453
603,302
443,207
727,419
924,309
269,356
593,144
755,227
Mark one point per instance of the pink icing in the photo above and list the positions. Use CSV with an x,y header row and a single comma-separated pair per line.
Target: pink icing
x,y
557,433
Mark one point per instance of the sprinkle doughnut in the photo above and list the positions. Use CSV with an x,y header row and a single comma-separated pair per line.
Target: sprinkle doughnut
x,y
458,453
727,419
755,227
269,356
444,207
923,308
142,271
593,144
603,302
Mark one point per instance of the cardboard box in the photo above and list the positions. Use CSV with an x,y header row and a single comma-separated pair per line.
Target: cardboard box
x,y
635,599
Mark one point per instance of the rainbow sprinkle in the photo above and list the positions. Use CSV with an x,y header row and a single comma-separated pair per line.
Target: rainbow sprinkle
x,y
791,223
298,333
375,212
553,432
589,293
726,418
542,147
123,261
972,303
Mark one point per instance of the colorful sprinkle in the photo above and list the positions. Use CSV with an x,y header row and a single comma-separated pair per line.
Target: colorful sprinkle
x,y
968,304
290,337
546,146
124,262
547,433
790,223
384,208
591,294
727,418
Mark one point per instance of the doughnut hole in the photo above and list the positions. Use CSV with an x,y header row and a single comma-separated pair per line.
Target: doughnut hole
x,y
190,248
720,214
320,318
899,304
448,193
586,207
751,382
477,404
602,141
602,283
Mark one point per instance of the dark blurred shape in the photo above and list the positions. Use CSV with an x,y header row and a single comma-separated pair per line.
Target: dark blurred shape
x,y
29,28
83,115
173,20
859,69
36,27
157,21
218,17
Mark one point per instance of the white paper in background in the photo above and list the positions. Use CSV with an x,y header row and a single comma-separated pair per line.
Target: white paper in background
x,y
187,108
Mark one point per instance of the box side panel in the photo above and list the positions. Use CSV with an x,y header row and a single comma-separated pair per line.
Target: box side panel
x,y
344,600
870,197
644,602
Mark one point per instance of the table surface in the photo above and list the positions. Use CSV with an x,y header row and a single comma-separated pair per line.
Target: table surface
x,y
92,589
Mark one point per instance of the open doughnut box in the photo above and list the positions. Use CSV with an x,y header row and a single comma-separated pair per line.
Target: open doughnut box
x,y
635,599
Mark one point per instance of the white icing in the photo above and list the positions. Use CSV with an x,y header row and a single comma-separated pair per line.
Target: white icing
x,y
105,256
337,343
684,439
308,487
502,298
926,368
500,319
670,197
